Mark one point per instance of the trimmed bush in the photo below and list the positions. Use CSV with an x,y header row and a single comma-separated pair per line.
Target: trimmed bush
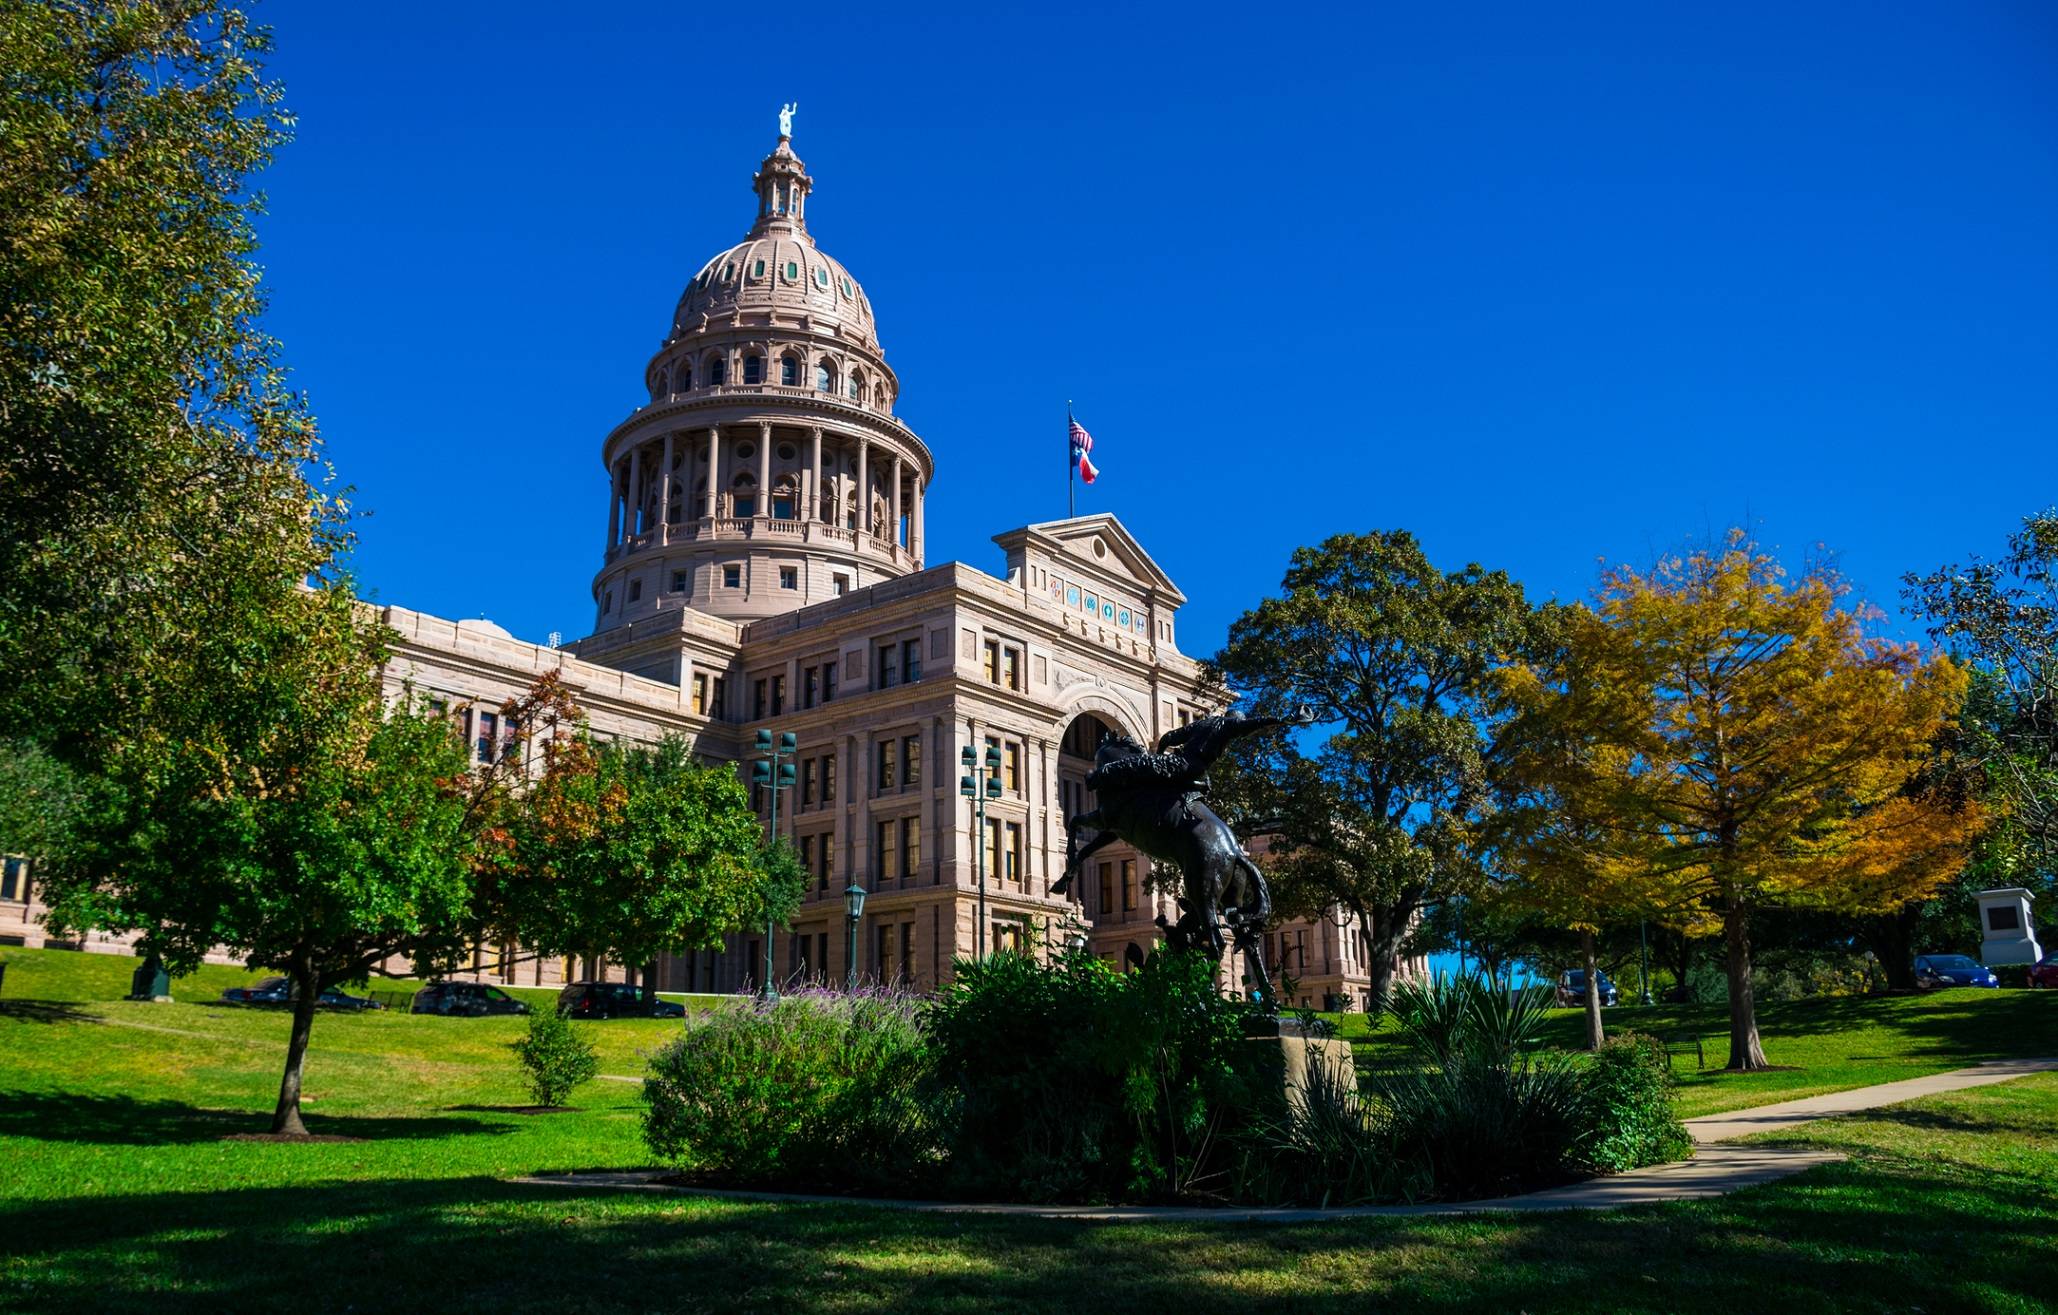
x,y
1629,1094
819,1090
2012,976
557,1059
1070,1081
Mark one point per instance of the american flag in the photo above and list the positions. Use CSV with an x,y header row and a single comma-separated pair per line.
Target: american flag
x,y
1082,443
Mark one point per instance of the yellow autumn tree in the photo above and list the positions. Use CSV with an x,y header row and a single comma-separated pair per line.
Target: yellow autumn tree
x,y
1756,747
1558,762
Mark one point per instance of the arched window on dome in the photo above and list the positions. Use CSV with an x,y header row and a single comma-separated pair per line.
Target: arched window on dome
x,y
789,371
661,388
857,386
786,498
743,496
682,378
716,370
825,376
753,369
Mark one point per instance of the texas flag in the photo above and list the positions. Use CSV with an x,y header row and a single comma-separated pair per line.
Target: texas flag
x,y
1082,443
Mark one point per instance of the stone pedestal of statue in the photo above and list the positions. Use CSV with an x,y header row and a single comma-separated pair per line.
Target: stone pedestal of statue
x,y
1282,1052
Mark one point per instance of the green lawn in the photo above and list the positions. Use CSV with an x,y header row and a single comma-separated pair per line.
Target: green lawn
x,y
1821,1045
118,1192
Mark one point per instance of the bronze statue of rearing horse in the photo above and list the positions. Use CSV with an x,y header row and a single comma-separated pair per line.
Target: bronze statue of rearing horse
x,y
1156,802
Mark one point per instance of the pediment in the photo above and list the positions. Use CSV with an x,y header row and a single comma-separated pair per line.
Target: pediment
x,y
1096,547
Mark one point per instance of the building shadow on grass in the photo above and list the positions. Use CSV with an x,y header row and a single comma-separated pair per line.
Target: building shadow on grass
x,y
127,1121
485,1244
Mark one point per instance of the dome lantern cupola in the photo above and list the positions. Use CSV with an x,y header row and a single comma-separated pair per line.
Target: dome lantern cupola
x,y
782,185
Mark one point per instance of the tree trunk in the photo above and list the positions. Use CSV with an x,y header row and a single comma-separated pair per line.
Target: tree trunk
x,y
650,984
1745,1054
1595,1035
1388,925
307,994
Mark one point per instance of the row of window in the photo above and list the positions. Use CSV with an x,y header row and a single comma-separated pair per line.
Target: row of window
x,y
1003,664
827,376
732,578
789,270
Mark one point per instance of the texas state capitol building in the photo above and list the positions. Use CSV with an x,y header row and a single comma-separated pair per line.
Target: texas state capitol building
x,y
765,568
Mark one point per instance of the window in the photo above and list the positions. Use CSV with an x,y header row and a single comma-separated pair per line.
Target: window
x,y
889,666
911,760
778,695
822,864
757,700
757,271
821,277
721,697
993,661
607,601
910,848
1011,768
14,878
635,590
846,287
910,660
888,863
1013,857
682,379
717,372
792,270
1011,667
807,853
854,389
829,779
678,582
789,371
841,585
789,577
888,762
825,377
1107,889
828,682
1128,885
489,737
810,686
732,577
700,695
807,782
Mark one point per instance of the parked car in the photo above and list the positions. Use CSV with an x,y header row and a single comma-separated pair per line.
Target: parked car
x,y
613,1000
2043,974
277,993
1572,988
465,1000
1939,970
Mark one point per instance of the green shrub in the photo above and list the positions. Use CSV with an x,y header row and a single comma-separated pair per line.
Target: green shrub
x,y
1070,1081
1482,1111
556,1058
1629,1095
818,1090
2012,976
1330,1147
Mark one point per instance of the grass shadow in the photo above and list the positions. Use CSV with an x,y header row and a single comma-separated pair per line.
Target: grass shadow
x,y
127,1121
46,1011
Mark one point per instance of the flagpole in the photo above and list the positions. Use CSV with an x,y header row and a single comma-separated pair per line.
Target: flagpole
x,y
1071,466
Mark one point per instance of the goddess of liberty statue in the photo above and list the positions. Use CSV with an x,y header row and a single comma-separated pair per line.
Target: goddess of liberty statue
x,y
786,118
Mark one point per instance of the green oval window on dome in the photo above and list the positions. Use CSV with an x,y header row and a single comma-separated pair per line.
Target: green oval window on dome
x,y
821,278
792,270
757,271
728,273
846,289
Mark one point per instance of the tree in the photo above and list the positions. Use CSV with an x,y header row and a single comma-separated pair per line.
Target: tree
x,y
1555,764
1763,749
1394,656
632,852
154,465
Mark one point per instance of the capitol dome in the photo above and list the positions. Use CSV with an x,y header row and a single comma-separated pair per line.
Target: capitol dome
x,y
767,470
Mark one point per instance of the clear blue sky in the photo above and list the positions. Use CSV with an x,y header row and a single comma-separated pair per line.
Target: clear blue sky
x,y
1543,284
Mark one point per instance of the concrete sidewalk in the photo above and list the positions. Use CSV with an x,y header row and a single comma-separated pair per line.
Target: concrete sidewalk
x,y
1715,1170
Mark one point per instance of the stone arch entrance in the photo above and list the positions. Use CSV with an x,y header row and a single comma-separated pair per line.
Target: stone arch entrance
x,y
1111,894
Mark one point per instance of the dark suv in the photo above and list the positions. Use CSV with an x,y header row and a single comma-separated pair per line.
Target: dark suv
x,y
613,1000
465,1000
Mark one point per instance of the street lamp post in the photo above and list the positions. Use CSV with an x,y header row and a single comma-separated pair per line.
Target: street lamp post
x,y
980,782
774,771
853,909
1643,957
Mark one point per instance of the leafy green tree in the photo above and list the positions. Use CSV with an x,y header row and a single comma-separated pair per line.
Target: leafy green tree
x,y
1394,656
631,852
154,465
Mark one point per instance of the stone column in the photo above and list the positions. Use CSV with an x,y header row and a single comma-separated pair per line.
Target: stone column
x,y
1052,810
664,487
917,538
714,470
814,493
864,488
635,499
895,536
764,471
614,503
